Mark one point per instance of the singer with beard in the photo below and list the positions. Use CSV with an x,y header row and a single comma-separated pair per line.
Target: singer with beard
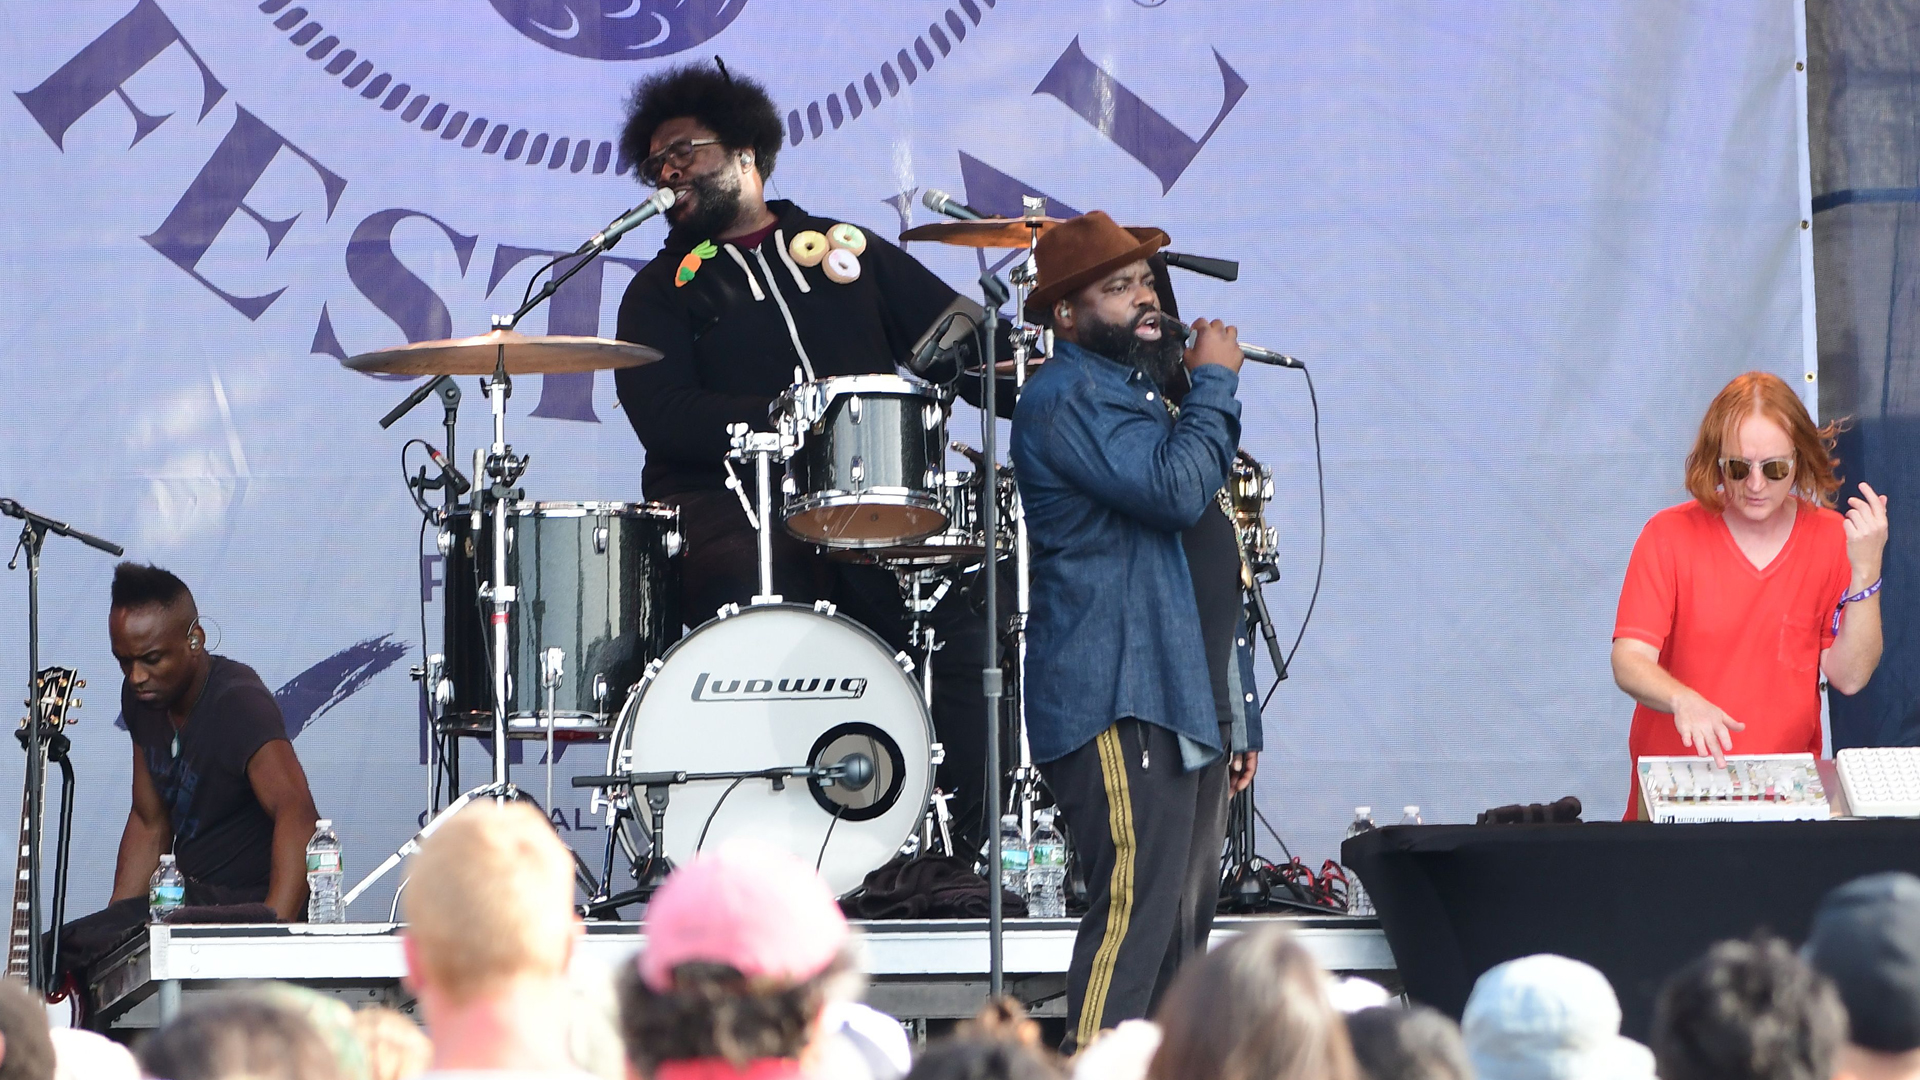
x,y
1140,705
739,315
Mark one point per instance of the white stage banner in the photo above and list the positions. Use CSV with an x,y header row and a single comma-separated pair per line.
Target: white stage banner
x,y
1519,245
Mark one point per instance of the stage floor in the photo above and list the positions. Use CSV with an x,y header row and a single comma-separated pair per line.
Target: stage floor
x,y
919,970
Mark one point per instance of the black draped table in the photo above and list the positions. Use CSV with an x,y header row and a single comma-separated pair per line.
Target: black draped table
x,y
1634,899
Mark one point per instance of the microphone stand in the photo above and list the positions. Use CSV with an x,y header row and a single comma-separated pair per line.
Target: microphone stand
x,y
991,675
33,534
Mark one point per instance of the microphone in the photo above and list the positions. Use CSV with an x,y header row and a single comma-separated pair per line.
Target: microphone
x,y
853,772
1224,269
629,221
1251,352
452,475
930,350
942,203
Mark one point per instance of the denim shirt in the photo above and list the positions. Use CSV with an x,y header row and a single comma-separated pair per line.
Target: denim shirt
x,y
1108,481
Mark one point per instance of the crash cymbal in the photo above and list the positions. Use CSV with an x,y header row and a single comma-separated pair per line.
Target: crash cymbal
x,y
553,355
988,233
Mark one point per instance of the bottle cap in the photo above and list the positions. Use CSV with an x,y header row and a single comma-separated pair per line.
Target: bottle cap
x,y
1363,811
167,859
1410,810
323,823
1009,819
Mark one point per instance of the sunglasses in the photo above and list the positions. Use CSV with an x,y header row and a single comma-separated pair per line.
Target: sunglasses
x,y
678,155
1774,469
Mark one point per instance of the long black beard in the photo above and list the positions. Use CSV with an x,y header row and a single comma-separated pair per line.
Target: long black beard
x,y
716,209
1157,360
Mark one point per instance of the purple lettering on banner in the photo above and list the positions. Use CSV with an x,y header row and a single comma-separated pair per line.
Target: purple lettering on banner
x,y
106,63
397,291
991,191
220,192
575,309
1133,125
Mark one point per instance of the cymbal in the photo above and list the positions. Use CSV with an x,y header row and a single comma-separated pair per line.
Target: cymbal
x,y
553,355
987,233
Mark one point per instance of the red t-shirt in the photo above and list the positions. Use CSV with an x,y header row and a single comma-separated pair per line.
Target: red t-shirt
x,y
1747,639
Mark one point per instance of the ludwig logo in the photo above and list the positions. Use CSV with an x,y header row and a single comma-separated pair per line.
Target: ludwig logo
x,y
619,29
708,688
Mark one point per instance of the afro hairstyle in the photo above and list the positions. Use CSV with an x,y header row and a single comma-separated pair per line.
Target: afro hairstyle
x,y
734,108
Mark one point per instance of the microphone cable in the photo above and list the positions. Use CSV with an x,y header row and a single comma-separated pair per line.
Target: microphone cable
x,y
1320,568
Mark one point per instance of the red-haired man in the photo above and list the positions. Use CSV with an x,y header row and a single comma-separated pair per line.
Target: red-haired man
x,y
1738,602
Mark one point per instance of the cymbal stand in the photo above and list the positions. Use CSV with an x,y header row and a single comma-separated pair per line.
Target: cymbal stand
x,y
505,469
1025,777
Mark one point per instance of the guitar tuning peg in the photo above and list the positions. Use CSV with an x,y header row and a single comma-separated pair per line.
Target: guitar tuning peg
x,y
75,703
78,683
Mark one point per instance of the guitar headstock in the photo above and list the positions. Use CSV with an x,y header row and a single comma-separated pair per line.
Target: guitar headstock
x,y
56,687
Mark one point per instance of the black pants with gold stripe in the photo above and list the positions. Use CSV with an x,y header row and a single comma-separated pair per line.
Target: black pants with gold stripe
x,y
1148,837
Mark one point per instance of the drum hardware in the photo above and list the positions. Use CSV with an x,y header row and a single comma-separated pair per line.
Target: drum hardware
x,y
497,356
853,772
762,447
553,665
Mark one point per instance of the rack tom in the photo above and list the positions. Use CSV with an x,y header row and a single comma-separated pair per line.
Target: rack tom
x,y
869,465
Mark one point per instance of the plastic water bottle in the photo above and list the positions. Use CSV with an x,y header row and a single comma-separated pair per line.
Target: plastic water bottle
x,y
1358,902
1013,856
1410,815
1047,870
323,875
166,890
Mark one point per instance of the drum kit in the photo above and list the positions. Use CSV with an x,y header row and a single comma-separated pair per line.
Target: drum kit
x,y
789,723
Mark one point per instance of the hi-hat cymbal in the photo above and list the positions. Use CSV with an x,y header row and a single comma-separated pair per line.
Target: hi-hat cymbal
x,y
552,355
987,233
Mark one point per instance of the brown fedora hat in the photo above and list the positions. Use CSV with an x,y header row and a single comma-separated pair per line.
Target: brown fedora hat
x,y
1081,251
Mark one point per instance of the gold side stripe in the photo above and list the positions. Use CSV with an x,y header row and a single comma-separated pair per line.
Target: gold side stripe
x,y
1113,770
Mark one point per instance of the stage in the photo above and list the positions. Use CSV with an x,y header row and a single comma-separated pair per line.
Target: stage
x,y
920,970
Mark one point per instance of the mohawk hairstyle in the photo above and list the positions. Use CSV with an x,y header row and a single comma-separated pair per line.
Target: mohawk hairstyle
x,y
735,108
137,586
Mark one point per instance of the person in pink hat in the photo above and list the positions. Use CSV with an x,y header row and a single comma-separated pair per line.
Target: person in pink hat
x,y
745,947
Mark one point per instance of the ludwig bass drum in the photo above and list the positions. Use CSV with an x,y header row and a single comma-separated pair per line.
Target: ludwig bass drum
x,y
779,685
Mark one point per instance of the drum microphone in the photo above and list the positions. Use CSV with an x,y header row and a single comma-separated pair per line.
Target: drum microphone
x,y
629,221
447,471
853,772
1251,352
942,203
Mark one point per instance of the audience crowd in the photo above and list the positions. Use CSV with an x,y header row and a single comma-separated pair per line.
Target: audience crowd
x,y
750,972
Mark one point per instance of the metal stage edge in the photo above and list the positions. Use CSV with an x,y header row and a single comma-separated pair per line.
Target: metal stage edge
x,y
919,970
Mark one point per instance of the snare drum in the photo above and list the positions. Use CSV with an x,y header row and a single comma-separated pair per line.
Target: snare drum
x,y
772,686
595,580
868,468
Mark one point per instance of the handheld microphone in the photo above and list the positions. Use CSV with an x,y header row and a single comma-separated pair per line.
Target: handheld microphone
x,y
452,475
630,221
1224,269
942,203
1251,352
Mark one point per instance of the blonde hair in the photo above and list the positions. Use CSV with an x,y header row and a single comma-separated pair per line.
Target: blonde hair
x,y
396,1047
490,899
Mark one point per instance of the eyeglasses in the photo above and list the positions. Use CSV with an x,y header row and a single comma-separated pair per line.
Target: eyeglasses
x,y
1774,469
679,155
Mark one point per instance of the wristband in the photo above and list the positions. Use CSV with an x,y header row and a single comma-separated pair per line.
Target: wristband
x,y
1861,595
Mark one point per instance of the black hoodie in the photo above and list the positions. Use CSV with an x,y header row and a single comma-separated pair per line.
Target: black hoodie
x,y
734,335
